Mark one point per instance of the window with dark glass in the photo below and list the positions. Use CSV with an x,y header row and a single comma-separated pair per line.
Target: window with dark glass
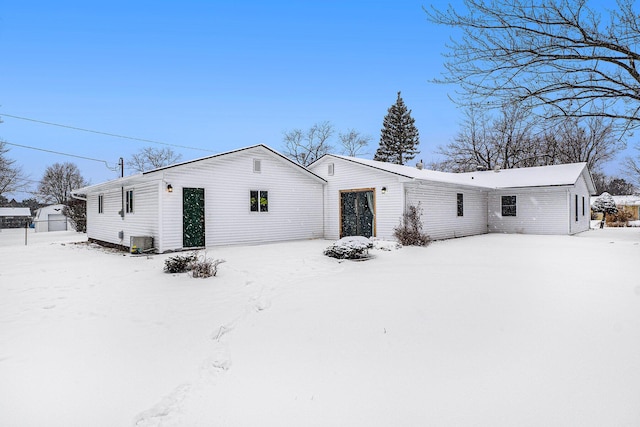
x,y
582,205
129,201
576,207
100,203
259,201
508,205
460,204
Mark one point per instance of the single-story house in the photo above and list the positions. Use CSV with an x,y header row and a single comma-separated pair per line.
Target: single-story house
x,y
50,218
629,203
14,217
257,195
367,197
245,196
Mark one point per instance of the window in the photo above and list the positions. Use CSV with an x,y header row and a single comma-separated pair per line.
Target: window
x,y
100,203
576,208
330,169
259,201
460,204
257,166
582,205
129,201
508,205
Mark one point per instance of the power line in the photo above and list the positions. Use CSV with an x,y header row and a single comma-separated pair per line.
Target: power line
x,y
104,133
60,153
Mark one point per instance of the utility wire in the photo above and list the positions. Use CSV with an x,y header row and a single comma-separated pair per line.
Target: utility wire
x,y
104,133
60,153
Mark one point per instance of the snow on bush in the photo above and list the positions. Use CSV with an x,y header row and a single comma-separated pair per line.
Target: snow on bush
x,y
204,266
353,247
200,266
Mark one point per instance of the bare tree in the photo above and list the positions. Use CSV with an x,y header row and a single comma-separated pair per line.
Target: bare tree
x,y
152,158
631,166
517,138
58,181
352,142
307,147
559,55
505,142
591,140
11,176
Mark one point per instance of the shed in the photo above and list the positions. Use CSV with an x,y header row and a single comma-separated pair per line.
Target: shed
x,y
14,217
50,218
245,196
367,197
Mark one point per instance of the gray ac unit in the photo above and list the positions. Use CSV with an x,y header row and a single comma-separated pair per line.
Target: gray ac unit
x,y
141,244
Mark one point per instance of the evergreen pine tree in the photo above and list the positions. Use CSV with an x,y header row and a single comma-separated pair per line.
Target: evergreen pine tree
x,y
399,137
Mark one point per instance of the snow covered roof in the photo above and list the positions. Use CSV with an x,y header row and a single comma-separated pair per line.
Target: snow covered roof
x,y
541,176
630,200
15,212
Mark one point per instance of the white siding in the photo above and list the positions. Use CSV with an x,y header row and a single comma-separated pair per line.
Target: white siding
x,y
539,210
580,190
295,200
439,209
141,222
350,176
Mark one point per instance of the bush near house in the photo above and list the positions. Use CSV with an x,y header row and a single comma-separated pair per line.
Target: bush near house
x,y
619,219
409,232
353,247
200,266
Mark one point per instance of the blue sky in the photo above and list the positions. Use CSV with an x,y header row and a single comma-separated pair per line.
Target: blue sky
x,y
214,75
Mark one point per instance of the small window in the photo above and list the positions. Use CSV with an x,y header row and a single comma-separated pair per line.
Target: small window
x,y
100,203
508,205
460,204
582,205
259,201
129,201
576,208
257,166
330,169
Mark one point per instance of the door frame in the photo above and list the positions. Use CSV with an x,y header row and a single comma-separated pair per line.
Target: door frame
x,y
375,208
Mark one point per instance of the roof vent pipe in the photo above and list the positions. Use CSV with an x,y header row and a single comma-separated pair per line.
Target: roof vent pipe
x,y
419,165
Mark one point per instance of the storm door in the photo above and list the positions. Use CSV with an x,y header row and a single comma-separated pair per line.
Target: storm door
x,y
193,217
357,213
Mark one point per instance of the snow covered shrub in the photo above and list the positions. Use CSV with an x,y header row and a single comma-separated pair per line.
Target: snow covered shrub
x,y
199,265
353,247
179,263
204,266
604,204
409,232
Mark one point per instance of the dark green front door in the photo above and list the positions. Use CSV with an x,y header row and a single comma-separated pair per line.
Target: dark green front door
x,y
357,213
193,217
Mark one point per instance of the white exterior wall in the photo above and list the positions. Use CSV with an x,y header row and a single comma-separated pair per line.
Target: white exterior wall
x,y
142,221
439,205
584,215
295,200
351,176
539,210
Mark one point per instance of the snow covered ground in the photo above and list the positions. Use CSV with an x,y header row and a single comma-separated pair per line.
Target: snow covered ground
x,y
492,330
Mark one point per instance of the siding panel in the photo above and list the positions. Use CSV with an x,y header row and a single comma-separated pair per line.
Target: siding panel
x,y
439,205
